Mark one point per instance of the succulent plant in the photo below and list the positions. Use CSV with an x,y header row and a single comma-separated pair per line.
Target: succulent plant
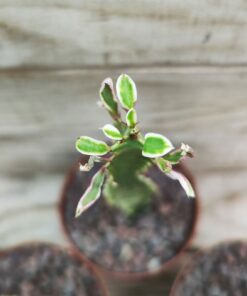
x,y
126,160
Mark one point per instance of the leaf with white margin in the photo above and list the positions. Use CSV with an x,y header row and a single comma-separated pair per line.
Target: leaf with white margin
x,y
131,118
107,96
112,132
92,194
126,91
156,145
164,165
183,181
176,156
90,146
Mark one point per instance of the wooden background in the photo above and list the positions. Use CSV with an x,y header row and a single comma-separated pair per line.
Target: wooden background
x,y
189,62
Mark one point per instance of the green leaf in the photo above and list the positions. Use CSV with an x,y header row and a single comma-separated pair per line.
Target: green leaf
x,y
90,146
107,96
126,91
156,145
164,165
92,194
112,132
131,118
183,181
177,155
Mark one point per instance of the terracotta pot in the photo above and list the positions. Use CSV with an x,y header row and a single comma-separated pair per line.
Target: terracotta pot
x,y
171,265
208,264
89,267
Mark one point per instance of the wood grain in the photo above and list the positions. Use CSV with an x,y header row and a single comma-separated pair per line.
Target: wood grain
x,y
80,34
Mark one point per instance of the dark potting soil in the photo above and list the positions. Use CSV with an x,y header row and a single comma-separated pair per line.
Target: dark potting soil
x,y
143,243
221,271
39,270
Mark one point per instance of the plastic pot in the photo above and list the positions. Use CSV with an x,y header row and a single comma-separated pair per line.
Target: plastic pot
x,y
168,266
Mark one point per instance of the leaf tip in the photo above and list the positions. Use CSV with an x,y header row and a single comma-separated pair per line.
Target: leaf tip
x,y
78,211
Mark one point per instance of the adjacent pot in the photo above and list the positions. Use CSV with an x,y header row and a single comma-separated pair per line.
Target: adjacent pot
x,y
130,249
219,271
47,269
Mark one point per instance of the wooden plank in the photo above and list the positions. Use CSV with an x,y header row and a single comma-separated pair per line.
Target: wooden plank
x,y
28,209
79,34
42,113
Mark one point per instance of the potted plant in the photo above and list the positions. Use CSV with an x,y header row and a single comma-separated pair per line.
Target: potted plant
x,y
46,269
220,271
144,212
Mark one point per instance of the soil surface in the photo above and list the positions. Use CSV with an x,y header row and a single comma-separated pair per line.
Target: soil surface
x,y
219,272
37,270
143,243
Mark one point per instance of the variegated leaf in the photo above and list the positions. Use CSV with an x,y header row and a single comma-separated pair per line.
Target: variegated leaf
x,y
90,146
126,91
107,96
131,118
183,181
112,132
156,145
164,165
176,156
92,194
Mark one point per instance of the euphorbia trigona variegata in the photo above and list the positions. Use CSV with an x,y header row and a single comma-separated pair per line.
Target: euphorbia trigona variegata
x,y
125,161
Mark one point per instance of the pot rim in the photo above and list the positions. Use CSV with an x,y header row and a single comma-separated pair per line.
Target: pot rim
x,y
68,250
129,276
193,258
